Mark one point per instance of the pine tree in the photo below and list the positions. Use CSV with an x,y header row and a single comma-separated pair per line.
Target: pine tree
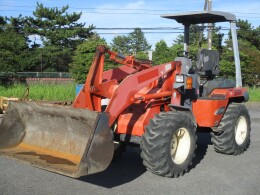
x,y
60,34
133,43
138,42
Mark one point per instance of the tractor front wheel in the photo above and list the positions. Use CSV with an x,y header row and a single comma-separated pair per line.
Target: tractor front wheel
x,y
168,144
233,133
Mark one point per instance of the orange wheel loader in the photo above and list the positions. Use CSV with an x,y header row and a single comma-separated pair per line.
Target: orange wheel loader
x,y
160,108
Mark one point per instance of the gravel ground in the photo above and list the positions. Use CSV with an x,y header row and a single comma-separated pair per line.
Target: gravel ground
x,y
212,173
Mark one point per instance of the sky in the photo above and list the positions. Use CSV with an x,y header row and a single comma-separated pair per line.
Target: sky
x,y
135,13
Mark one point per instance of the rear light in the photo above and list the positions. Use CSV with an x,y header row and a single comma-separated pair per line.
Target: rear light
x,y
189,83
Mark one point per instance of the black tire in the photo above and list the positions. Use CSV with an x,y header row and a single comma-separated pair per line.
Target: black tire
x,y
224,139
158,144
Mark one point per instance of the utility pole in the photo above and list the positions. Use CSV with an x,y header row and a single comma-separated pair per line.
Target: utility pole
x,y
205,5
202,25
210,27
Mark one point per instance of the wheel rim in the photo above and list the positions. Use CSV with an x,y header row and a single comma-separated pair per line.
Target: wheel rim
x,y
180,145
241,130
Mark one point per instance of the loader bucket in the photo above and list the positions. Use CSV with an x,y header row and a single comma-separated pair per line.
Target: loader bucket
x,y
68,141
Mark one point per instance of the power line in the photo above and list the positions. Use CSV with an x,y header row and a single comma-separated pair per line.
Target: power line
x,y
145,32
144,29
128,9
95,12
119,13
16,11
91,8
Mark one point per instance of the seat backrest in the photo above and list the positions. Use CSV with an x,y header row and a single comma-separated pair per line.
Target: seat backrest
x,y
208,63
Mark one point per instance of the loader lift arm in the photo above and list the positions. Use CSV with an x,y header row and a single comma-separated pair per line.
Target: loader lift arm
x,y
103,84
121,85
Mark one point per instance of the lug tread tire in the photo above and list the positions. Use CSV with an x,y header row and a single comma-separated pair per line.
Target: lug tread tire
x,y
224,138
156,142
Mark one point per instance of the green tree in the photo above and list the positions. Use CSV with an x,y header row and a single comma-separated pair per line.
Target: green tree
x,y
175,48
247,32
57,27
248,38
60,34
142,55
133,43
217,38
195,31
83,58
249,61
12,45
162,53
138,42
121,44
196,40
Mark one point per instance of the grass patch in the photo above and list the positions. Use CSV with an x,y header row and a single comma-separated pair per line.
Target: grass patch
x,y
66,92
254,94
48,92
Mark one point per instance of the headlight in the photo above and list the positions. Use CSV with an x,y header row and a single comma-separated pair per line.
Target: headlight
x,y
179,78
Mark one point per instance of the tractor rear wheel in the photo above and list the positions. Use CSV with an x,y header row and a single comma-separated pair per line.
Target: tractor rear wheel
x,y
233,133
168,144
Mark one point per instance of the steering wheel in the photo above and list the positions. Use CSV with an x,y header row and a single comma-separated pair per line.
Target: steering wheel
x,y
192,56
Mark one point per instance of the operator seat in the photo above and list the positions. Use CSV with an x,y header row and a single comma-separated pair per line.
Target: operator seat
x,y
208,63
208,68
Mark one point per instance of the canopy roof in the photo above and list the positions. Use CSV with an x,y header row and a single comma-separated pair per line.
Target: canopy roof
x,y
200,17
